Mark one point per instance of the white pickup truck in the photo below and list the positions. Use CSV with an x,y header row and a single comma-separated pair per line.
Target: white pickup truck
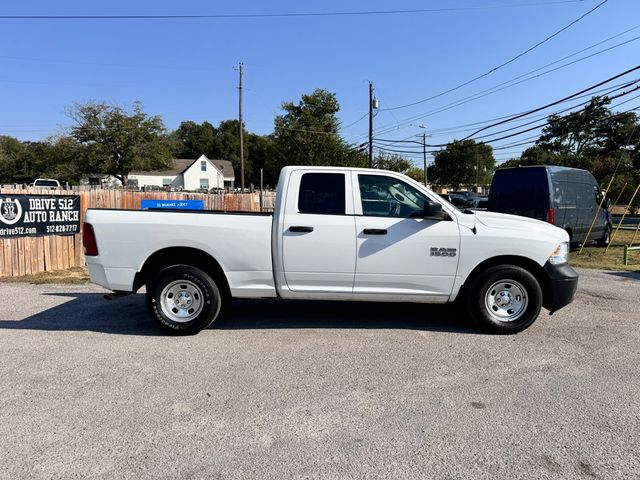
x,y
336,234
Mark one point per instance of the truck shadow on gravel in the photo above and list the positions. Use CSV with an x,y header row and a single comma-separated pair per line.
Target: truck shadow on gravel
x,y
128,316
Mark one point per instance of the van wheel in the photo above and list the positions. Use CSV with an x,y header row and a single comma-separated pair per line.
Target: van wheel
x,y
606,237
570,233
183,299
505,299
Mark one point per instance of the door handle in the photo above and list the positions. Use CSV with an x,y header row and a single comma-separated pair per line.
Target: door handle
x,y
375,231
300,229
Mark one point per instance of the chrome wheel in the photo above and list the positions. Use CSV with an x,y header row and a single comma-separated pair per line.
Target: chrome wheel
x,y
181,301
506,300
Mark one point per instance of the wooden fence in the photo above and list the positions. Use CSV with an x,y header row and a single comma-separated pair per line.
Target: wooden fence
x,y
26,255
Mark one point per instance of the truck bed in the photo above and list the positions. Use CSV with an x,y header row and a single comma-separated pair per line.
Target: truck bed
x,y
127,238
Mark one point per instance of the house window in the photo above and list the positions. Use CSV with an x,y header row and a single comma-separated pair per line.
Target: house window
x,y
203,165
166,182
204,183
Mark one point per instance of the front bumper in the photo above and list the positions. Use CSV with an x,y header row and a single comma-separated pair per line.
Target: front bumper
x,y
563,282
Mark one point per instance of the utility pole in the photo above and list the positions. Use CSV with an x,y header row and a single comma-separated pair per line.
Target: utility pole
x,y
424,149
370,124
240,65
424,155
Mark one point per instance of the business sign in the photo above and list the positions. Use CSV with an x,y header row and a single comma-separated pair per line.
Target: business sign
x,y
38,215
173,204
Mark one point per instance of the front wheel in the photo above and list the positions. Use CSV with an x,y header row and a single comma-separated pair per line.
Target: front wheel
x,y
183,299
505,299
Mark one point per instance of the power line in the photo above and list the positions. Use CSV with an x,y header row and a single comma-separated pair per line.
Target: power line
x,y
353,123
525,141
511,60
279,15
544,107
452,129
514,81
405,141
601,92
543,123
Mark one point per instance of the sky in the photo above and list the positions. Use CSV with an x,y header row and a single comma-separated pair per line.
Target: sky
x,y
186,69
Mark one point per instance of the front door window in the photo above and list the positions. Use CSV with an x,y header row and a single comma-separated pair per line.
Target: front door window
x,y
384,196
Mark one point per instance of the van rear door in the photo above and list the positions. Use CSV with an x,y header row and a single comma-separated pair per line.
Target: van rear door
x,y
520,191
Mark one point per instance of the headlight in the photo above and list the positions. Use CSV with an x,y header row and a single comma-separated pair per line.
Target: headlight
x,y
560,254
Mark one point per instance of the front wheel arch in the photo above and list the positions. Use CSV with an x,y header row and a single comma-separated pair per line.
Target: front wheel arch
x,y
532,267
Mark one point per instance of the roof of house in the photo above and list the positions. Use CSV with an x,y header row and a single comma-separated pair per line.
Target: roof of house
x,y
181,165
178,166
225,166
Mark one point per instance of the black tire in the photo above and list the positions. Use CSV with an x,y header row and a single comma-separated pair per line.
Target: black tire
x,y
495,292
183,299
572,244
606,237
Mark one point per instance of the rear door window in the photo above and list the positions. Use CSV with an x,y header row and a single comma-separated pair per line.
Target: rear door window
x,y
322,193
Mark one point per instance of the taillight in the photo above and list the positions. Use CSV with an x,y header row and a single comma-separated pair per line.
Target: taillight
x,y
551,216
89,240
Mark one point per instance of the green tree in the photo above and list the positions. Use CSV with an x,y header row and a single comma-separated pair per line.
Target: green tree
x,y
595,139
463,163
116,142
264,155
11,151
190,140
416,173
63,160
227,147
588,133
307,133
392,161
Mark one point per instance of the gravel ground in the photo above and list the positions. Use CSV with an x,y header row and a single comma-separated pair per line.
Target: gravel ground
x,y
92,389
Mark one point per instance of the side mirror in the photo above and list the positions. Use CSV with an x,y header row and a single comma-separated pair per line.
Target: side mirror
x,y
433,210
607,203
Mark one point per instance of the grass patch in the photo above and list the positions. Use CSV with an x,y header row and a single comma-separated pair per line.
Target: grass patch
x,y
594,257
73,276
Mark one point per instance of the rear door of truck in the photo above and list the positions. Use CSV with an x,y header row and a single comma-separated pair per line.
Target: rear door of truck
x,y
319,241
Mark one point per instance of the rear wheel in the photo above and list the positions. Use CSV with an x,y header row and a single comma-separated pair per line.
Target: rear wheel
x,y
183,299
505,299
606,237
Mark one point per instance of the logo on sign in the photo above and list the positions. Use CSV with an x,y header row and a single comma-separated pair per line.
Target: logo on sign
x,y
10,211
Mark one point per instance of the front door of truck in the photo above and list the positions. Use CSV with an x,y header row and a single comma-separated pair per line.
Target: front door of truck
x,y
318,242
398,252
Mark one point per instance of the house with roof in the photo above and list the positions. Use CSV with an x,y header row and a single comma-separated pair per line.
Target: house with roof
x,y
189,174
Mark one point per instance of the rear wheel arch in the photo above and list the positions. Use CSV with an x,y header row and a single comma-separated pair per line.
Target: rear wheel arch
x,y
532,267
182,256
